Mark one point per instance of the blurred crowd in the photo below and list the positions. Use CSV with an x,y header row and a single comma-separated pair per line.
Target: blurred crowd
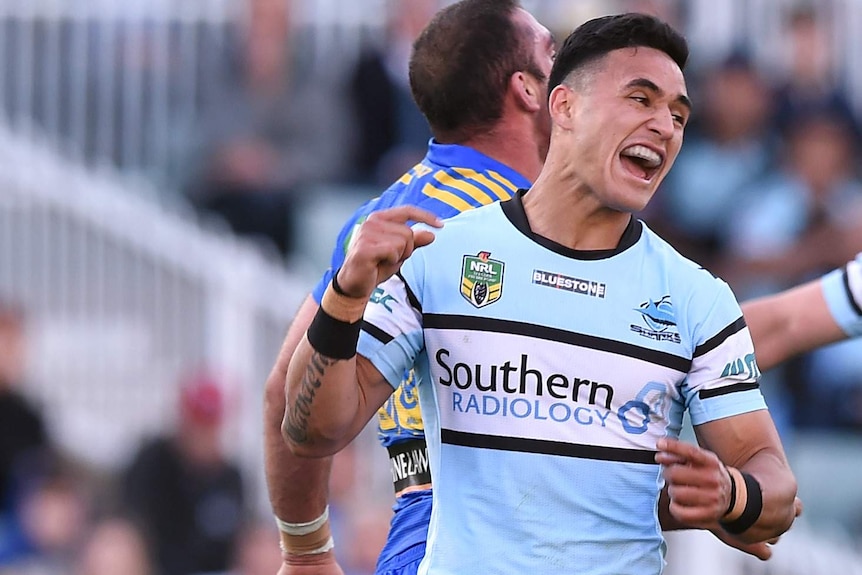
x,y
766,193
179,506
273,128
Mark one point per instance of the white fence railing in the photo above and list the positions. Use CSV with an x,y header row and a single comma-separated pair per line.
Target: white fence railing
x,y
122,297
123,83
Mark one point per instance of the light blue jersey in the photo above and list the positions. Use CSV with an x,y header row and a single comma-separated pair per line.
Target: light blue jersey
x,y
842,289
547,376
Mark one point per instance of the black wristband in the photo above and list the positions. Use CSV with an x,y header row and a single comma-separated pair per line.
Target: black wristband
x,y
732,491
332,337
753,507
335,287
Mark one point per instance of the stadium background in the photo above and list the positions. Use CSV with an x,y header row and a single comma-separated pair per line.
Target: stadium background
x,y
129,282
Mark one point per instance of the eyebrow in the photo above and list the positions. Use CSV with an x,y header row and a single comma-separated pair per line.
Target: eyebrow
x,y
682,99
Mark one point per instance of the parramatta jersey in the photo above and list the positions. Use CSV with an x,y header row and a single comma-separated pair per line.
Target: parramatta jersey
x,y
449,180
843,291
546,376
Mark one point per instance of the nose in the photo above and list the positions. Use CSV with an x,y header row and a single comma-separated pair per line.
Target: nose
x,y
662,123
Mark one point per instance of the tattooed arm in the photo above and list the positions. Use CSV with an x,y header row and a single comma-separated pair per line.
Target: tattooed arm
x,y
329,401
331,392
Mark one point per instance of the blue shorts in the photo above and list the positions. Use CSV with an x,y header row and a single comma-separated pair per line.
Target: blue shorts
x,y
408,532
405,563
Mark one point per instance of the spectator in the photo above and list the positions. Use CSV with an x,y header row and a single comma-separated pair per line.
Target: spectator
x,y
393,133
23,436
115,546
270,130
55,512
797,223
731,139
809,81
187,495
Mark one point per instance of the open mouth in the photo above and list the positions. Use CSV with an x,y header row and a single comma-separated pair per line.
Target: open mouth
x,y
642,162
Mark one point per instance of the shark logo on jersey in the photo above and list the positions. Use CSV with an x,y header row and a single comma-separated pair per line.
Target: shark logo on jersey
x,y
481,279
659,317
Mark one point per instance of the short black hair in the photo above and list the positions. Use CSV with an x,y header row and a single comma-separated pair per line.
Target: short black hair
x,y
461,65
595,38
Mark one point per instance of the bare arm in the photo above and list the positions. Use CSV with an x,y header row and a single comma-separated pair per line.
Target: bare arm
x,y
789,323
706,472
330,401
298,488
700,489
332,394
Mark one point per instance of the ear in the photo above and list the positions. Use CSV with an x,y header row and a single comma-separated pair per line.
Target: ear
x,y
563,106
528,91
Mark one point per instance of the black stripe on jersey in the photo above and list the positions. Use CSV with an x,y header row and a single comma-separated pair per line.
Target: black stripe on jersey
x,y
720,337
472,323
735,388
546,447
846,281
411,297
376,332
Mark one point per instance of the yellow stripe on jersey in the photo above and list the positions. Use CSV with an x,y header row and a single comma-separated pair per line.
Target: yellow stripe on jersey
x,y
506,182
401,415
416,171
468,188
501,192
446,197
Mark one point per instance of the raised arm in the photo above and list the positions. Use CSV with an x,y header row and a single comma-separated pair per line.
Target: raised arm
x,y
331,392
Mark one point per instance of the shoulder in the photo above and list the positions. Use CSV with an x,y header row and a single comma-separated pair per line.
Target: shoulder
x,y
461,230
678,266
467,222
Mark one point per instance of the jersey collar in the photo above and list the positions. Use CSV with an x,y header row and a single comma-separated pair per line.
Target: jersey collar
x,y
457,156
514,211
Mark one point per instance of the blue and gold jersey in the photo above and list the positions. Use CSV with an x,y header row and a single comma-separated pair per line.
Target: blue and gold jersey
x,y
449,180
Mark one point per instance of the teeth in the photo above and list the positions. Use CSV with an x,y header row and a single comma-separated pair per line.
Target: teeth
x,y
651,159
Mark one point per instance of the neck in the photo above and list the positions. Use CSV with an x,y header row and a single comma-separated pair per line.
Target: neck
x,y
512,147
563,209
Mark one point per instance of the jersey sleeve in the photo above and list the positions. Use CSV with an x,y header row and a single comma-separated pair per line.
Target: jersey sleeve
x,y
723,380
842,289
391,336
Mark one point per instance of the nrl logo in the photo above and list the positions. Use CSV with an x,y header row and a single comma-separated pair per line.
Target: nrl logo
x,y
481,279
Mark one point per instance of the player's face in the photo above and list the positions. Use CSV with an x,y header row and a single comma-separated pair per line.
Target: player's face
x,y
543,50
628,125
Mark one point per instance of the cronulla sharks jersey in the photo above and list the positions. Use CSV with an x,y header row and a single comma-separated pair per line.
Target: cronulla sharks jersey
x,y
547,376
449,180
842,289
